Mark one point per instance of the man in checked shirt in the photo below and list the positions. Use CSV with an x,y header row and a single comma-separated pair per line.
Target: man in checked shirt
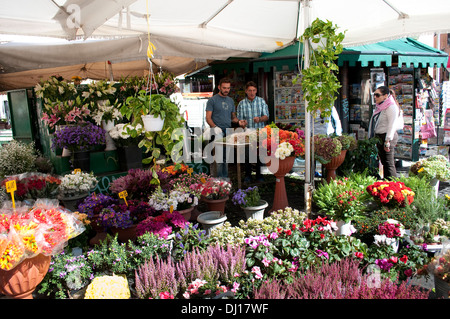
x,y
253,113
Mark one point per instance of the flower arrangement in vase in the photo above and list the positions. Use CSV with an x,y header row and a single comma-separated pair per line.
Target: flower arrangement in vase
x,y
391,193
281,143
389,233
126,135
107,112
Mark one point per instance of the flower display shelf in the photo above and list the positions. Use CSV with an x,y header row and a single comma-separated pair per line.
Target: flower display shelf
x,y
334,164
280,200
21,281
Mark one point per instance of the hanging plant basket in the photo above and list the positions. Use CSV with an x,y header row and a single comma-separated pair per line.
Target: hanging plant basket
x,y
152,123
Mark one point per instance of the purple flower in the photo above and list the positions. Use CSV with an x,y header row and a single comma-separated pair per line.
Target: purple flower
x,y
384,264
79,137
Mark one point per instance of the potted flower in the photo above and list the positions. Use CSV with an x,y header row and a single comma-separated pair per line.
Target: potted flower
x,y
215,193
435,168
75,187
162,225
326,147
127,138
80,140
391,193
389,233
440,268
30,236
282,147
34,185
250,201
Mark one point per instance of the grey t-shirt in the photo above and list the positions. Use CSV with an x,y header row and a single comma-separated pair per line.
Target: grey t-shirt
x,y
221,107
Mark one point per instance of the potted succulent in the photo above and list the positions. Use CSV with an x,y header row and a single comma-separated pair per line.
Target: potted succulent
x,y
251,203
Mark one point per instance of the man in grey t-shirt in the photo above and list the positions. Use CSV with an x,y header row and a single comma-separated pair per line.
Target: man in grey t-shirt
x,y
221,112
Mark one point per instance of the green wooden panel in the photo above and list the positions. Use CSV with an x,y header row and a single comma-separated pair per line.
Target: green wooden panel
x,y
20,116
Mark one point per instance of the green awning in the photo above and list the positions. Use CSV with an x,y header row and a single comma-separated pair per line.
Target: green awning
x,y
365,54
412,52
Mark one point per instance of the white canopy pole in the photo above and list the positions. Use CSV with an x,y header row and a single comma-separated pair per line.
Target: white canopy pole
x,y
306,18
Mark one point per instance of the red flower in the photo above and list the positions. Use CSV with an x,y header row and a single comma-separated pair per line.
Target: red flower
x,y
359,255
404,259
393,259
288,232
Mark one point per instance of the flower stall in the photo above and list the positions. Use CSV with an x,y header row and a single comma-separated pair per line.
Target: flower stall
x,y
149,232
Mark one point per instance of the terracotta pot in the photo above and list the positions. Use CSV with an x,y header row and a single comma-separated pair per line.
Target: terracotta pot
x,y
186,213
22,280
125,234
333,165
217,205
280,200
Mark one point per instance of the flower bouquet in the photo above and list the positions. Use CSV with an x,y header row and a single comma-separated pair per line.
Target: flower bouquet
x,y
27,231
433,167
79,137
34,185
391,193
326,147
74,184
162,225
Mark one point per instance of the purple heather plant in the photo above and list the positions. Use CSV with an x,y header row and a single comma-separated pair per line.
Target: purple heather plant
x,y
79,137
338,280
138,184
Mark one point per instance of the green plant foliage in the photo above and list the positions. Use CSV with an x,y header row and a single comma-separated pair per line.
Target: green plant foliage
x,y
160,143
319,81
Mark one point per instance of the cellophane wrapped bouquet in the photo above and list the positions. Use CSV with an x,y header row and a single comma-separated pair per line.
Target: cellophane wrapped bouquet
x,y
27,231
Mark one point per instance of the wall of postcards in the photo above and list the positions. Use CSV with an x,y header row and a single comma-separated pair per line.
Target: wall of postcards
x,y
401,80
288,98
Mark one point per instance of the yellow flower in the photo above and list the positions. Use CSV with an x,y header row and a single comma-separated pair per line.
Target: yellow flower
x,y
108,287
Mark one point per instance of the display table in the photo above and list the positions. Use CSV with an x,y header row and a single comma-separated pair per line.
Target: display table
x,y
239,147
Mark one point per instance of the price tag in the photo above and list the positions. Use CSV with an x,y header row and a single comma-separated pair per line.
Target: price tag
x,y
77,171
190,170
11,187
124,195
171,209
203,180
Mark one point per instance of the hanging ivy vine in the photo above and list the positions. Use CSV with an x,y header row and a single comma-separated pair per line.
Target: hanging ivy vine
x,y
319,81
